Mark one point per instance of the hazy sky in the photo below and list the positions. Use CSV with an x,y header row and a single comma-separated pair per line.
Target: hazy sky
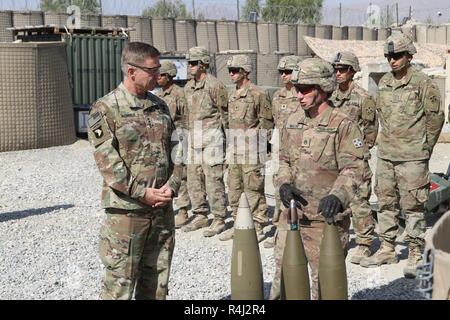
x,y
353,11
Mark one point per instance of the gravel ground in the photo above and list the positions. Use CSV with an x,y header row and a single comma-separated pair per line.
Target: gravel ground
x,y
50,217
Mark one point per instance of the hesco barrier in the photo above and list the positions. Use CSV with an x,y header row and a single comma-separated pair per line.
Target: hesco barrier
x,y
287,38
355,33
207,35
227,35
94,65
369,34
267,37
383,34
337,33
35,103
267,74
163,34
185,34
91,20
58,19
6,22
304,30
28,18
114,21
221,59
143,28
324,32
247,36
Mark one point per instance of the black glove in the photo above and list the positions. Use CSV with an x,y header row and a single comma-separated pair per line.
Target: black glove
x,y
289,192
329,207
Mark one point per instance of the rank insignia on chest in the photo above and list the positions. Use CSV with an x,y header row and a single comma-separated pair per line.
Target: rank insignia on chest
x,y
358,143
306,142
98,133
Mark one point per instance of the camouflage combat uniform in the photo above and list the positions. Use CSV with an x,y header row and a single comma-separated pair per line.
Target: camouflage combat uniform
x,y
359,106
176,101
411,119
284,103
132,140
249,111
208,119
319,156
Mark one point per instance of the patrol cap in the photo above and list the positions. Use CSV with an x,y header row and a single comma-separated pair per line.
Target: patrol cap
x,y
288,62
314,71
168,67
399,42
198,54
240,61
347,58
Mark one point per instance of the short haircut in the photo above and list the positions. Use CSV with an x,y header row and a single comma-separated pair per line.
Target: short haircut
x,y
136,53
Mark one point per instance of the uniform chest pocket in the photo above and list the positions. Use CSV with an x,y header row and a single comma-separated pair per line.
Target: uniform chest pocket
x,y
237,109
411,102
318,144
130,128
353,111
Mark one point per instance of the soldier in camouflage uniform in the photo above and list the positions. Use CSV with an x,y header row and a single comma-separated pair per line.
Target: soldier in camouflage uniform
x,y
208,120
321,165
358,105
411,118
131,131
174,97
250,120
284,103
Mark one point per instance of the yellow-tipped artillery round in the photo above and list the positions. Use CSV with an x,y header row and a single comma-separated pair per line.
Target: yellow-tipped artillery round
x,y
294,269
332,270
246,267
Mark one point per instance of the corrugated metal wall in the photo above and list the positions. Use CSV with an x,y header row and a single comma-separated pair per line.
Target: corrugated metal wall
x,y
221,59
163,33
6,22
247,36
207,35
227,35
94,65
287,38
267,37
143,28
185,34
40,116
28,18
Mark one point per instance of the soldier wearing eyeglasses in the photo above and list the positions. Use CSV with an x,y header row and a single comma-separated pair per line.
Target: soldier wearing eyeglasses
x,y
411,118
284,103
207,121
131,132
358,105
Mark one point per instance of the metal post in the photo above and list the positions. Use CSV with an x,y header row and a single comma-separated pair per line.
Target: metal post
x,y
193,8
387,16
238,13
340,14
410,12
396,11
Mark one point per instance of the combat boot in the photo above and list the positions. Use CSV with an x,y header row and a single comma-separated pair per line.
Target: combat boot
x,y
269,243
414,259
200,221
181,218
384,255
227,235
362,252
216,227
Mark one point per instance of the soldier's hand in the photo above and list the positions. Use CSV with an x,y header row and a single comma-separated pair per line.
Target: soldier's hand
x,y
329,207
153,197
166,191
289,192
